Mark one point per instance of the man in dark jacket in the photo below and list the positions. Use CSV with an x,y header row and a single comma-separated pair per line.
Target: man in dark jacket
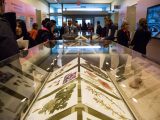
x,y
110,29
8,44
141,37
99,28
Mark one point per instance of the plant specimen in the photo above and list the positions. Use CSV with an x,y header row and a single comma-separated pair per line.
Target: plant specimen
x,y
90,74
60,100
98,98
25,81
96,70
4,77
19,77
100,83
62,69
108,107
1,105
19,81
15,83
27,85
104,84
55,83
69,77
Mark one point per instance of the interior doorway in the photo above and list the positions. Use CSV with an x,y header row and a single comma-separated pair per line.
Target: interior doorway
x,y
38,17
79,20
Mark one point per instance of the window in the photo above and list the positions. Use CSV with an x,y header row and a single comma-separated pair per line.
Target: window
x,y
82,9
88,21
55,8
58,20
86,7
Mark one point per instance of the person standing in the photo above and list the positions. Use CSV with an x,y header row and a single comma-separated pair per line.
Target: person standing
x,y
99,28
8,44
141,37
44,34
34,31
71,29
62,30
109,29
123,35
22,36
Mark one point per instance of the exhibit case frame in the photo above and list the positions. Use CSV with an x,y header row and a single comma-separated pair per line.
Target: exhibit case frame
x,y
79,80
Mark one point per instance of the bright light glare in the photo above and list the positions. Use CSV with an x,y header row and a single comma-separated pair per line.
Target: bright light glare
x,y
83,9
60,46
134,100
123,85
85,47
24,100
111,69
117,76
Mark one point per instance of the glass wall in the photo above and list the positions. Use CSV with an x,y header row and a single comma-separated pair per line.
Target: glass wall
x,y
86,7
58,11
55,8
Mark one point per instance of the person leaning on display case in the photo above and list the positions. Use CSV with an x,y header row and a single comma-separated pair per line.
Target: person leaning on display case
x,y
64,24
70,28
109,29
141,37
44,34
99,29
123,35
54,30
8,44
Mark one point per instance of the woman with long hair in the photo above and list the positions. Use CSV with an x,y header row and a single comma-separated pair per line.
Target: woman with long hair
x,y
22,36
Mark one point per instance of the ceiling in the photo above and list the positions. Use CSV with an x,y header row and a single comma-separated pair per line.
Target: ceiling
x,y
81,1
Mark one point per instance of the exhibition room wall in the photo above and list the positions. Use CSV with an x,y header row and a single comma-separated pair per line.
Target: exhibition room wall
x,y
153,47
40,5
42,9
29,10
132,11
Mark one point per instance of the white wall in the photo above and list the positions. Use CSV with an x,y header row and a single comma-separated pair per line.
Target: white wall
x,y
141,11
142,6
116,2
123,10
38,4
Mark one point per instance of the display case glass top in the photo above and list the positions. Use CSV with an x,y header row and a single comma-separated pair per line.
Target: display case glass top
x,y
79,79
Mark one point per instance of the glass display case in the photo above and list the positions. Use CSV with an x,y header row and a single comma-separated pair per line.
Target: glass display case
x,y
79,80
